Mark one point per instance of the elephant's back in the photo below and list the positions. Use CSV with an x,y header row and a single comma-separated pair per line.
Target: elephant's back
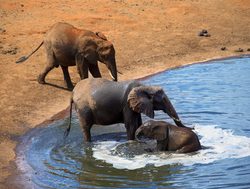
x,y
62,30
99,89
92,85
101,84
61,25
180,136
62,35
82,90
61,39
58,29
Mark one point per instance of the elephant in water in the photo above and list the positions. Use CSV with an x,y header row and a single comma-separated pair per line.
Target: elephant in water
x,y
66,46
169,137
104,102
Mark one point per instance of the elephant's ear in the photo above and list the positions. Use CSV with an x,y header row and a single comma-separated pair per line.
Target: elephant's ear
x,y
160,132
91,55
140,101
87,49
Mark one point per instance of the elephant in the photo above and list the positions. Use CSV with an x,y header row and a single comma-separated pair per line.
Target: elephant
x,y
169,137
66,46
104,102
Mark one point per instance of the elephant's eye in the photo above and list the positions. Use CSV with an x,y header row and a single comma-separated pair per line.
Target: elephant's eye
x,y
149,96
158,99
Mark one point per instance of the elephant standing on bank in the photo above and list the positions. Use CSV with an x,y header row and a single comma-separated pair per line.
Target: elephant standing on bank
x,y
169,137
66,46
104,102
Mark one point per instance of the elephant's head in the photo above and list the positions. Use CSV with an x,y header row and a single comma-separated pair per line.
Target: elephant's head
x,y
153,130
146,99
169,137
106,54
98,48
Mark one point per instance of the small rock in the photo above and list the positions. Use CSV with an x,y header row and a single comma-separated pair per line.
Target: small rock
x,y
2,30
204,33
223,48
10,50
239,50
200,34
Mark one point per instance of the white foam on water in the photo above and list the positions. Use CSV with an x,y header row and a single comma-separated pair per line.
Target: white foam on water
x,y
219,144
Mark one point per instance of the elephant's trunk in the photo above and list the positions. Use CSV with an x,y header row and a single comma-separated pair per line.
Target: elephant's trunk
x,y
169,109
138,133
143,134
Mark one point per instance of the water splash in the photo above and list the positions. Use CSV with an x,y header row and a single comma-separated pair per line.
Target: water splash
x,y
217,144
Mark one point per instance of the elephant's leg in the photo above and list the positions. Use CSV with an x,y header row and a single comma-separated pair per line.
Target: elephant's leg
x,y
189,148
82,67
67,77
132,121
51,64
86,129
162,145
94,70
41,77
139,122
129,130
86,121
132,125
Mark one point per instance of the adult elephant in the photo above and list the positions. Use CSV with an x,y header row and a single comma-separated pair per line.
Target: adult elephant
x,y
104,102
66,46
169,137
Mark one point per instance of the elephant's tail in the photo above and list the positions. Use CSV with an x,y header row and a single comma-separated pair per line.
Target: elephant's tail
x,y
23,58
66,133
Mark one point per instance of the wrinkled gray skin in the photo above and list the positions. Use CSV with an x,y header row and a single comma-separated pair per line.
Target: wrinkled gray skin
x,y
169,137
104,102
67,46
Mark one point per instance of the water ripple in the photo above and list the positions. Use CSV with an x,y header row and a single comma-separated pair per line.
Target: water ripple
x,y
212,97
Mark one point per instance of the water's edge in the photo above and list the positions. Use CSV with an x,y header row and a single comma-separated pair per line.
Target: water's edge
x,y
19,178
206,61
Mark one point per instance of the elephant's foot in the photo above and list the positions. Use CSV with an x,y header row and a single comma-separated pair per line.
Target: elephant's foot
x,y
70,86
86,135
131,137
41,79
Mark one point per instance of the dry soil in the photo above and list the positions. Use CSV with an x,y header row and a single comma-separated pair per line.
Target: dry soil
x,y
149,36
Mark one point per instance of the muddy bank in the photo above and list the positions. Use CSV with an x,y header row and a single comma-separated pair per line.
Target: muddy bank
x,y
148,36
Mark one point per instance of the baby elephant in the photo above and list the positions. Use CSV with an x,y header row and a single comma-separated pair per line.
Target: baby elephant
x,y
169,137
66,45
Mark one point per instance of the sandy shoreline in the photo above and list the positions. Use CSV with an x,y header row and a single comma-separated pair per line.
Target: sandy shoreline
x,y
145,42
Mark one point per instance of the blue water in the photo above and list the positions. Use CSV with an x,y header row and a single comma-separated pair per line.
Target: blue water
x,y
211,94
212,97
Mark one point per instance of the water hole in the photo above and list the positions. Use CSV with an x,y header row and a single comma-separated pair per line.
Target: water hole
x,y
213,97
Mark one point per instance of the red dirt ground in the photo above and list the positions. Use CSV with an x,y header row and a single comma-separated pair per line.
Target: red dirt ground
x,y
149,36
